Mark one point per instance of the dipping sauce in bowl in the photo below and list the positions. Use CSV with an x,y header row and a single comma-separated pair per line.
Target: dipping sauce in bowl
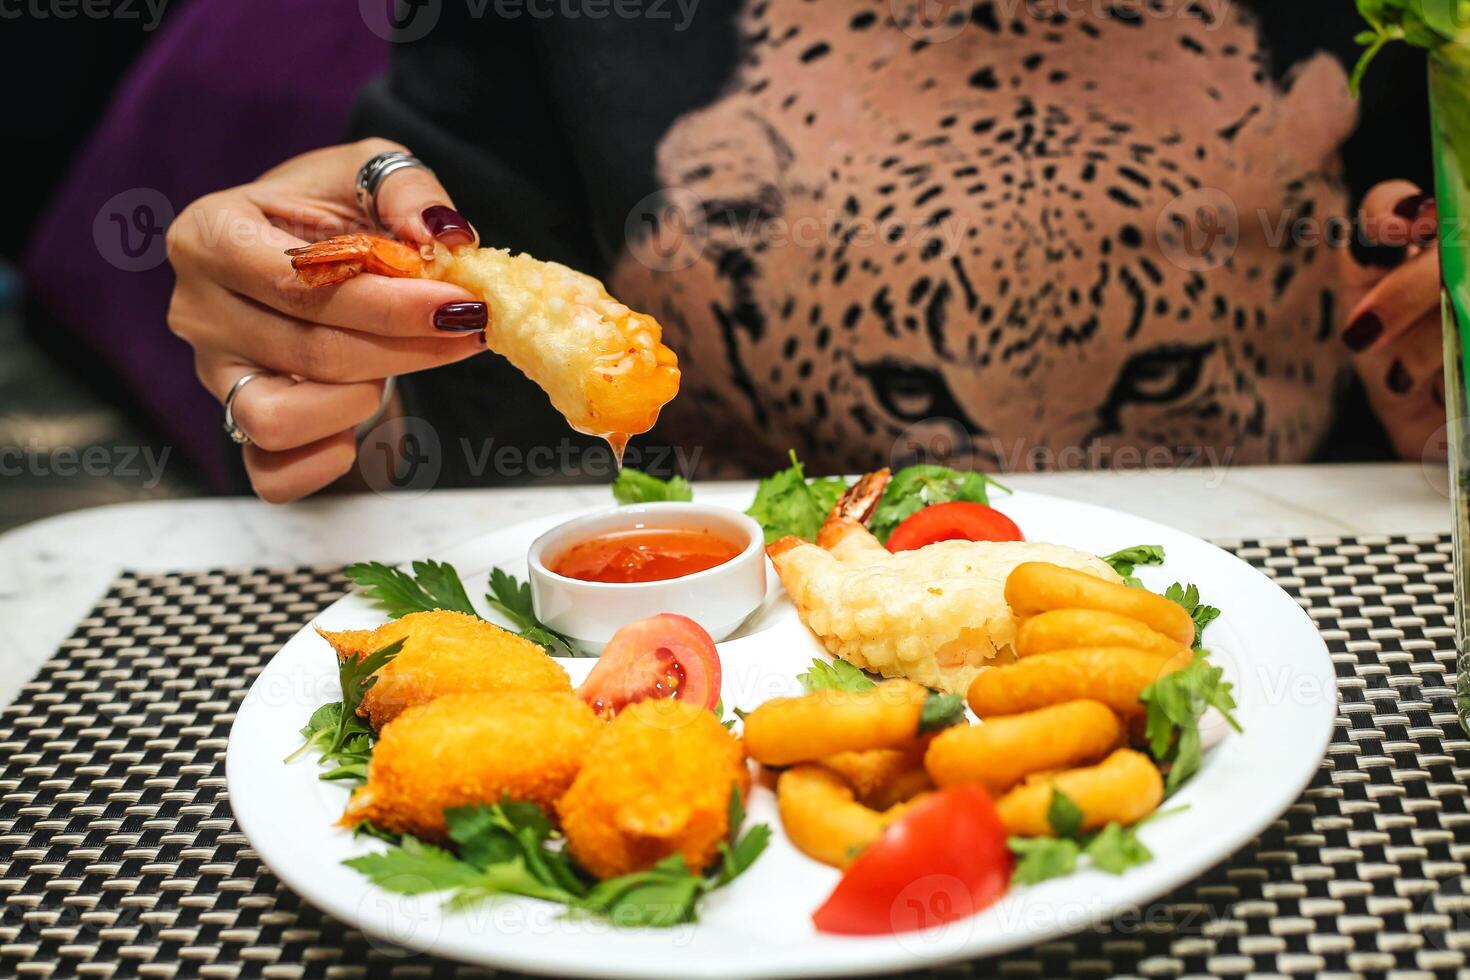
x,y
593,575
645,555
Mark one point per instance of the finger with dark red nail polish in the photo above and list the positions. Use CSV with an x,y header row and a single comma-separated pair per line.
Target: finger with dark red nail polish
x,y
461,317
1414,206
1363,331
448,226
1399,381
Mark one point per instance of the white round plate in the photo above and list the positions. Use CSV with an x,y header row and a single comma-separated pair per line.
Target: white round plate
x,y
760,926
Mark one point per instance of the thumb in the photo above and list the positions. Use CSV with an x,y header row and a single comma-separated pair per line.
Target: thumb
x,y
414,207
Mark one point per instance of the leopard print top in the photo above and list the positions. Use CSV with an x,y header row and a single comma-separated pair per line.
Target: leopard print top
x,y
1030,237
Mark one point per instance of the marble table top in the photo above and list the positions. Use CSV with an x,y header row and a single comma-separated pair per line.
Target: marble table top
x,y
53,571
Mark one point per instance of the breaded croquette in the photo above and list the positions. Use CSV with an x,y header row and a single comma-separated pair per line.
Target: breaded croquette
x,y
446,652
655,782
472,748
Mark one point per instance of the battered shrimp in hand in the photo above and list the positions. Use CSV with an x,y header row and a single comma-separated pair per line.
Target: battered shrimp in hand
x,y
603,365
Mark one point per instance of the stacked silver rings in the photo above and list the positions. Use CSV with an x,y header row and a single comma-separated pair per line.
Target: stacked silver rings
x,y
372,174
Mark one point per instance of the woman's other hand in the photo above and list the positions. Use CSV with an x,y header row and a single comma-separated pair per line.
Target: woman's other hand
x,y
325,353
1394,326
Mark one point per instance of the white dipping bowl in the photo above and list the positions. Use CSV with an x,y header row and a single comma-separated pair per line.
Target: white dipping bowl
x,y
719,598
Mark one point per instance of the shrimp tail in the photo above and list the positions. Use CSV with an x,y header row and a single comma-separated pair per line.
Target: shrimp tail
x,y
849,516
338,259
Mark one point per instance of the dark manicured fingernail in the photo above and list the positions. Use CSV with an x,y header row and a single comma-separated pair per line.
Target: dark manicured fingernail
x,y
461,317
1414,206
1361,333
1399,381
448,225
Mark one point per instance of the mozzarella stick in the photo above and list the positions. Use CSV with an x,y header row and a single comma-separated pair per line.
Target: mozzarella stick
x,y
1037,587
1113,675
1000,752
1072,629
1123,788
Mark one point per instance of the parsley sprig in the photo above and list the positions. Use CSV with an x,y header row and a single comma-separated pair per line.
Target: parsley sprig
x,y
436,585
787,502
1176,703
1126,560
636,487
511,848
1113,849
344,740
837,675
1203,615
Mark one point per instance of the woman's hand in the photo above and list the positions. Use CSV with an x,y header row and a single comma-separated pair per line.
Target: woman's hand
x,y
325,352
1394,329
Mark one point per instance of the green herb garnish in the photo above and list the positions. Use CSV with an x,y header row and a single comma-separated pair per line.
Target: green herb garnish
x,y
344,740
915,487
838,675
1176,702
1113,849
940,711
636,487
511,597
436,585
511,849
1188,598
787,503
433,585
1126,560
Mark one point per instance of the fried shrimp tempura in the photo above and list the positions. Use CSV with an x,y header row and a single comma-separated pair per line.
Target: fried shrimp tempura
x,y
472,748
604,366
446,652
655,782
935,615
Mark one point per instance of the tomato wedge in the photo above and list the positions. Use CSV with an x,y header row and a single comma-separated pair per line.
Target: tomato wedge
x,y
663,656
954,521
944,860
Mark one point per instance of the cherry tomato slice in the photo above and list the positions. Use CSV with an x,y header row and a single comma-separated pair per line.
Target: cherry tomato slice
x,y
663,656
955,521
945,859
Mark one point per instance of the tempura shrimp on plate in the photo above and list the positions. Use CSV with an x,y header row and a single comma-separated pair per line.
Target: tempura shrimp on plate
x,y
936,615
603,365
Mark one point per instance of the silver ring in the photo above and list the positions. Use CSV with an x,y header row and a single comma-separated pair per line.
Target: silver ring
x,y
237,434
372,174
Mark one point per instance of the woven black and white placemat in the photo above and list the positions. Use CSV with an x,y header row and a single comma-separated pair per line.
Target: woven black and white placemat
x,y
119,856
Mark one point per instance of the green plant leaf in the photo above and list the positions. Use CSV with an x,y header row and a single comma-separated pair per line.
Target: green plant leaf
x,y
636,487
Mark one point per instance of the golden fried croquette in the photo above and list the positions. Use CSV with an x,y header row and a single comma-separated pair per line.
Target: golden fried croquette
x,y
1001,751
822,818
655,782
882,777
1113,675
446,652
802,729
1124,788
1036,587
1072,629
462,749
